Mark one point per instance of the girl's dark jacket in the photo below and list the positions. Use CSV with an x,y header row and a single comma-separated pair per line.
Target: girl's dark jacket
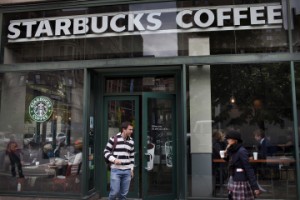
x,y
238,159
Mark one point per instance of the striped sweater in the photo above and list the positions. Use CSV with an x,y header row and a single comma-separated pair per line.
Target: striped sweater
x,y
124,151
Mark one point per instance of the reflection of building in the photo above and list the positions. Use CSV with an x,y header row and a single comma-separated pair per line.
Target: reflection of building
x,y
26,86
12,103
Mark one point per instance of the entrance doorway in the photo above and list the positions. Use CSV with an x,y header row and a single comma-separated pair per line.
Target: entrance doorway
x,y
153,115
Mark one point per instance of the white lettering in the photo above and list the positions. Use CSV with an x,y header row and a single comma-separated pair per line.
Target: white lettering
x,y
179,19
241,17
134,21
104,27
113,23
44,27
237,16
255,13
274,11
62,25
221,16
14,30
209,21
29,28
156,22
80,26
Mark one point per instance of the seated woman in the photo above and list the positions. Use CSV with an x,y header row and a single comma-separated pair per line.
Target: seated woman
x,y
218,143
73,168
77,159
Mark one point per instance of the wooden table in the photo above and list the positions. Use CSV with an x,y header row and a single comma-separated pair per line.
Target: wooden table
x,y
35,170
275,159
280,160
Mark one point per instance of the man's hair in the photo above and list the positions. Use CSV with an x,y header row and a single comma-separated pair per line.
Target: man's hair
x,y
259,132
125,125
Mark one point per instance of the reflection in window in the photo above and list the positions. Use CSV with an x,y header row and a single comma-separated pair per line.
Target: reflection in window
x,y
49,152
296,33
140,84
262,101
1,80
256,39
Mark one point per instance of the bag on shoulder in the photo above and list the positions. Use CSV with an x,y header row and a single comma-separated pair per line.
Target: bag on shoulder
x,y
108,163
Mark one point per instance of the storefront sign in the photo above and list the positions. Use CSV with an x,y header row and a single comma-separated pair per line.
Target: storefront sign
x,y
40,109
195,19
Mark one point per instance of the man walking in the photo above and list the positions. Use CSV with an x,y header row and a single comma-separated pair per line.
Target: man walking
x,y
121,155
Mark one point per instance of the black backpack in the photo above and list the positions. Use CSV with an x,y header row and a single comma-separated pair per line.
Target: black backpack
x,y
108,163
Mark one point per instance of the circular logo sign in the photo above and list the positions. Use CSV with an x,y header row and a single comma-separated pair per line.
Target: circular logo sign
x,y
40,109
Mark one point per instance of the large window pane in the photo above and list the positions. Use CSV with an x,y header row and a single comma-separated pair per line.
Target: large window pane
x,y
296,31
247,98
43,152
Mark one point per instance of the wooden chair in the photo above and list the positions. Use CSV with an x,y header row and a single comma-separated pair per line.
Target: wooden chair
x,y
288,174
70,180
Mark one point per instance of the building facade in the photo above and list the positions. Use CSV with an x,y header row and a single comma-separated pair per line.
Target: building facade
x,y
183,72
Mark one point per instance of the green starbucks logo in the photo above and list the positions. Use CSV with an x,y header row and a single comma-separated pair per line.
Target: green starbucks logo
x,y
40,109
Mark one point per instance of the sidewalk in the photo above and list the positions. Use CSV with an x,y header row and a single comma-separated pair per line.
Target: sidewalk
x,y
95,197
40,198
28,198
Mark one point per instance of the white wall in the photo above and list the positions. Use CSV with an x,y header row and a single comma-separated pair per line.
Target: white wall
x,y
200,99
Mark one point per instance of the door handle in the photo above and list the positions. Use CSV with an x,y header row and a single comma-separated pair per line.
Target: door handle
x,y
135,165
148,168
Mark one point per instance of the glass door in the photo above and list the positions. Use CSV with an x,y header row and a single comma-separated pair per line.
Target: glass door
x,y
117,110
155,163
159,139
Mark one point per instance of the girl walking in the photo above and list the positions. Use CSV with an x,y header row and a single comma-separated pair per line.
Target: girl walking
x,y
242,183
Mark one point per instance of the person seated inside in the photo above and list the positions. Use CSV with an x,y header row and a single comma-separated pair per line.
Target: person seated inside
x,y
77,159
218,143
264,147
264,150
288,146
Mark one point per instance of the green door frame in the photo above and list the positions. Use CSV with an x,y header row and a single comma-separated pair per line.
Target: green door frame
x,y
104,139
146,96
179,172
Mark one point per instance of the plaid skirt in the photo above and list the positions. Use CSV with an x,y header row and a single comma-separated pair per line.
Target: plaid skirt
x,y
240,190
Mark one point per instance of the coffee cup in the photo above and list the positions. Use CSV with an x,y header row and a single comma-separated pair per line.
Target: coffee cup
x,y
222,153
255,154
52,161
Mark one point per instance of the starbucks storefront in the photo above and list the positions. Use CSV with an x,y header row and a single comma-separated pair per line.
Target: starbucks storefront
x,y
180,71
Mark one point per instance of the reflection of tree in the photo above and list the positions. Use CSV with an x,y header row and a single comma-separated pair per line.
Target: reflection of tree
x,y
58,87
262,94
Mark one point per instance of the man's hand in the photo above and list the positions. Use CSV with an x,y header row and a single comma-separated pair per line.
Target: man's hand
x,y
131,173
117,162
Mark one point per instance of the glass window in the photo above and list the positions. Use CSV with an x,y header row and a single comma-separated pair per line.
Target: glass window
x,y
3,2
41,131
140,84
157,30
296,29
91,139
254,99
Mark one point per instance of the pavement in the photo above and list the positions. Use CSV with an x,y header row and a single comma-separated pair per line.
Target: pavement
x,y
28,198
43,198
